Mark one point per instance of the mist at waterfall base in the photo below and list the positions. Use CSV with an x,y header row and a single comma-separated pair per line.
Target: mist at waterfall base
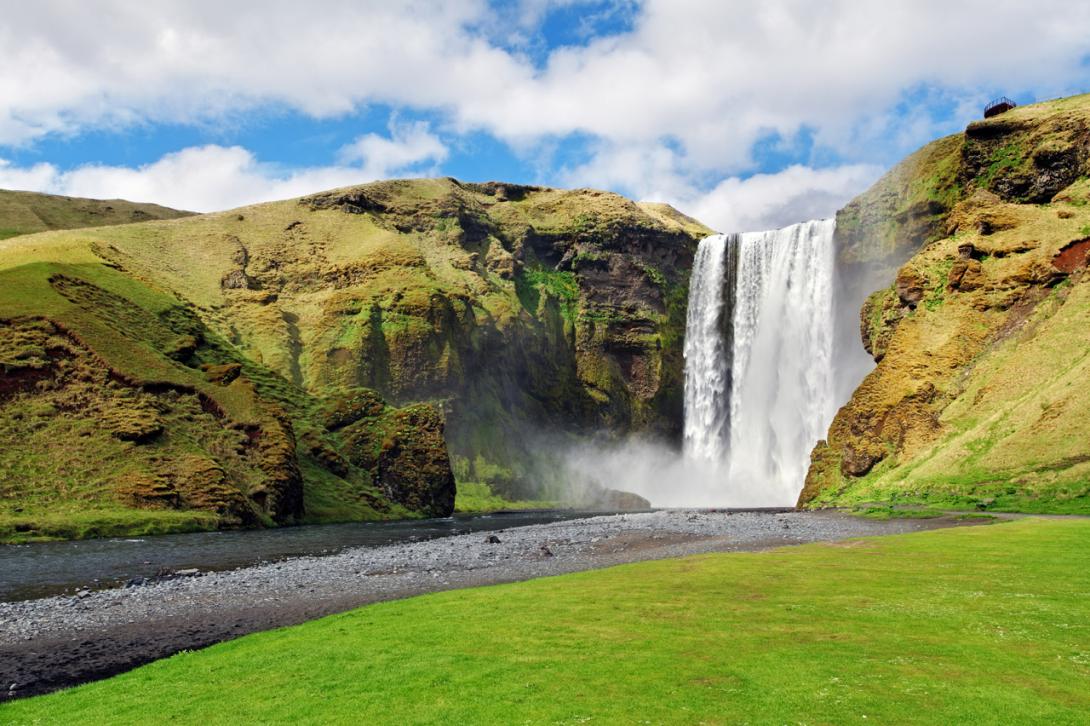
x,y
760,381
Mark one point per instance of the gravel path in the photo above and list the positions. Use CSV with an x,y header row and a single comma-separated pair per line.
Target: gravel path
x,y
60,641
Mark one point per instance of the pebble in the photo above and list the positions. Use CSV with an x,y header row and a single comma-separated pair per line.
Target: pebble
x,y
371,573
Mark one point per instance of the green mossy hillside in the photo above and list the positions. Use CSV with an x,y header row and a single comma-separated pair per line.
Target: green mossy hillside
x,y
234,369
121,413
517,309
983,338
30,212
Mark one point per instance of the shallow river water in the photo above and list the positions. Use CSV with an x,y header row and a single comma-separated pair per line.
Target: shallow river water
x,y
52,568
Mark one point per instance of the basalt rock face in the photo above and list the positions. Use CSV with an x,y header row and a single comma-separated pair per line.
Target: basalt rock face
x,y
981,336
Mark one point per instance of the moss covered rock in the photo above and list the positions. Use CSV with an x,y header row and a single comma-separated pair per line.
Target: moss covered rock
x,y
516,309
317,356
981,339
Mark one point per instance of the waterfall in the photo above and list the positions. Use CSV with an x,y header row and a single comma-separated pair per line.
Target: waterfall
x,y
707,335
758,358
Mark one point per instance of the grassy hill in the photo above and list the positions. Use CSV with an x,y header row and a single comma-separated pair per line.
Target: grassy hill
x,y
521,308
234,368
30,212
983,339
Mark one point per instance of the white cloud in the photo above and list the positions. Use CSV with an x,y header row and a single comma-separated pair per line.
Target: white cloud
x,y
207,178
645,171
192,61
684,95
409,146
771,201
713,75
734,204
32,178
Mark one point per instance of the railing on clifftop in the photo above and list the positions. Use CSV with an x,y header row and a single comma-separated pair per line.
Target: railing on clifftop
x,y
998,106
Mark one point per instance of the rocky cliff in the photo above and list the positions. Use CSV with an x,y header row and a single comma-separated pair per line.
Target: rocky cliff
x,y
313,359
519,310
981,339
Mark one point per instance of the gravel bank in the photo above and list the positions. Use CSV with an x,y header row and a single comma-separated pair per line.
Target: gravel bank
x,y
60,641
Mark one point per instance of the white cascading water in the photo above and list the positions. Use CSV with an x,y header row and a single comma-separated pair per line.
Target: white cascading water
x,y
707,366
758,359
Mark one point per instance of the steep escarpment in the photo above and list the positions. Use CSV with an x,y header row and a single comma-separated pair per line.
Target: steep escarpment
x,y
315,359
520,310
982,339
121,412
30,212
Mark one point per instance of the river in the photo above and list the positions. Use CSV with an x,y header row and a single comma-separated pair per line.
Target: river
x,y
43,569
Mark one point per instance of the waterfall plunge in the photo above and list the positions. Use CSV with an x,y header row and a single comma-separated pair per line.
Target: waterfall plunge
x,y
758,360
707,349
758,378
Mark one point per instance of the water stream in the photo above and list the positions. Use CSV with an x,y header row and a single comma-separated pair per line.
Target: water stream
x,y
759,387
52,568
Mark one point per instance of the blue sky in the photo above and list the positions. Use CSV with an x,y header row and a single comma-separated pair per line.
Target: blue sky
x,y
747,115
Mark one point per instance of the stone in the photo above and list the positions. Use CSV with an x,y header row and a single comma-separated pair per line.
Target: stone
x,y
1072,256
615,500
910,286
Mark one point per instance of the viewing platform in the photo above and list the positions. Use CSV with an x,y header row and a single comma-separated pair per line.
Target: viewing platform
x,y
998,106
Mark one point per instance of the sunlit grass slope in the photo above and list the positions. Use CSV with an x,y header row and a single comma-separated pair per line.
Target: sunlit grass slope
x,y
982,338
987,624
29,212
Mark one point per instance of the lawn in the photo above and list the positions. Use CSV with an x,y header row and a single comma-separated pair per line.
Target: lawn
x,y
987,624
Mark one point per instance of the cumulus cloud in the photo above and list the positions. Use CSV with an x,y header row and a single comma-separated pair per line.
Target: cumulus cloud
x,y
771,201
208,178
713,75
683,93
199,61
409,146
734,204
32,178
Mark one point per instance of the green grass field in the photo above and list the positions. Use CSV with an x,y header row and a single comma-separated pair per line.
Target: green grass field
x,y
986,624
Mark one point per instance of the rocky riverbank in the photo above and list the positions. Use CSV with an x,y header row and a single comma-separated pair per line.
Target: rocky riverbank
x,y
56,642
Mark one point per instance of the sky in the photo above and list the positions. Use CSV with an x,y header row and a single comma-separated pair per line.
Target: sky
x,y
746,115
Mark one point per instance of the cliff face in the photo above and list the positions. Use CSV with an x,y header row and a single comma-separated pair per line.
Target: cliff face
x,y
981,340
121,412
312,359
518,309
